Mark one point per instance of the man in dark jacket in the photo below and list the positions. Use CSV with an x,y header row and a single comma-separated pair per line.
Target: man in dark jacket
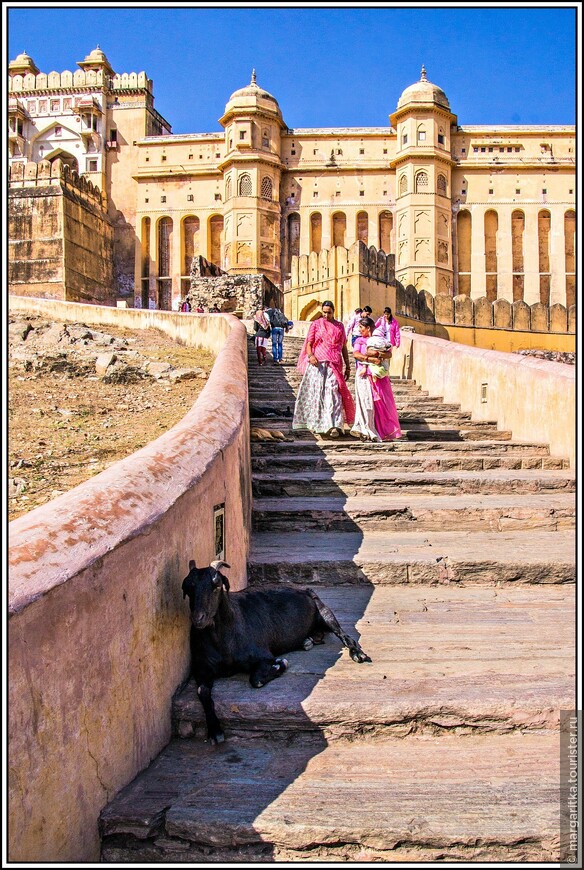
x,y
278,323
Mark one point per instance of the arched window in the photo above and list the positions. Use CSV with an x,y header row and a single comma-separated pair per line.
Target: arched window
x,y
164,246
385,228
293,237
403,185
245,185
266,188
190,241
441,184
464,245
421,134
228,187
569,254
315,232
339,228
543,243
215,239
363,227
491,229
421,182
164,263
145,247
145,261
517,255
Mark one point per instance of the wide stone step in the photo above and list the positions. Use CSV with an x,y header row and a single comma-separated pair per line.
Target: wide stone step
x,y
501,513
356,450
404,404
486,798
412,431
435,558
287,463
381,481
498,647
408,415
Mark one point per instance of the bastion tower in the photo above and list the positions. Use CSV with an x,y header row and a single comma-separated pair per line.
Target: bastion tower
x,y
423,167
252,170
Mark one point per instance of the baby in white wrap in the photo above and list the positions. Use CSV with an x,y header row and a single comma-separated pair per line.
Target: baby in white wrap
x,y
377,368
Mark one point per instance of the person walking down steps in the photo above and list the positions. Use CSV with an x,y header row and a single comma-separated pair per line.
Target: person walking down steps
x,y
324,404
262,329
279,325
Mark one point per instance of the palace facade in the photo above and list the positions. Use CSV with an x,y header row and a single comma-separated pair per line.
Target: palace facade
x,y
482,211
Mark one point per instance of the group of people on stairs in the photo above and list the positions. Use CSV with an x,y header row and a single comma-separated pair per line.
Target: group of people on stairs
x,y
324,404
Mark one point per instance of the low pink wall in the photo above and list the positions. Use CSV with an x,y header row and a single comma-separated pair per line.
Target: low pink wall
x,y
534,399
98,628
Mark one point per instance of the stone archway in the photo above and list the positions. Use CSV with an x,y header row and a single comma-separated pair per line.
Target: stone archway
x,y
66,159
311,311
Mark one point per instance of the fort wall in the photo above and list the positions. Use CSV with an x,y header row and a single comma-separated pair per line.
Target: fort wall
x,y
534,399
349,277
98,629
60,238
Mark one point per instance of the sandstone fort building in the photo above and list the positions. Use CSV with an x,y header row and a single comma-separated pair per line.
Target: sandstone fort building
x,y
426,203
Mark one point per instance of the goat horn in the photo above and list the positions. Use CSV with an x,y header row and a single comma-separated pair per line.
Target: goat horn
x,y
218,564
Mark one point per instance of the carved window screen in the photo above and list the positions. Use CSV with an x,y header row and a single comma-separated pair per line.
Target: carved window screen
x,y
245,187
421,182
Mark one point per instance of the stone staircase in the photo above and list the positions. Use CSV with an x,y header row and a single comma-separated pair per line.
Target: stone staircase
x,y
451,554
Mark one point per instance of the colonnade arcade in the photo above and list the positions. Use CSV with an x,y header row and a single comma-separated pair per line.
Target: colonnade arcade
x,y
521,256
164,252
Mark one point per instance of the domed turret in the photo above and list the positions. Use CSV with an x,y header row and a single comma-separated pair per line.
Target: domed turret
x,y
252,96
96,60
423,91
22,64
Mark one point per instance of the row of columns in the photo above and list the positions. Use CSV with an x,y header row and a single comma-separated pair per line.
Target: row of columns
x,y
176,251
531,289
373,229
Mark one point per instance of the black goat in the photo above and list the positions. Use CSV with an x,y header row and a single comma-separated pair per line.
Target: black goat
x,y
248,631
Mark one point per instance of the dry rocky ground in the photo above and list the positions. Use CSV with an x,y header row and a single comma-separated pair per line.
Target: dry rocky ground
x,y
81,397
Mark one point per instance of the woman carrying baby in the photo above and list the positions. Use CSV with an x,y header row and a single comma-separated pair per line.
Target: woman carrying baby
x,y
375,411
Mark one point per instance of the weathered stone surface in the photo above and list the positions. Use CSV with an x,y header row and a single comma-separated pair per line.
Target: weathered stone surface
x,y
423,642
425,513
379,481
435,558
482,797
450,555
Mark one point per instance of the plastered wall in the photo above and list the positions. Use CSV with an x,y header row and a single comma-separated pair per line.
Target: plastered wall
x,y
535,399
98,628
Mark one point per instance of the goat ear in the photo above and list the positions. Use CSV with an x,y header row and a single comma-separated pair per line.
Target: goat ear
x,y
218,564
192,565
184,588
225,582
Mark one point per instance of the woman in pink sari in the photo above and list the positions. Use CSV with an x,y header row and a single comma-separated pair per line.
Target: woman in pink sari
x,y
376,415
324,404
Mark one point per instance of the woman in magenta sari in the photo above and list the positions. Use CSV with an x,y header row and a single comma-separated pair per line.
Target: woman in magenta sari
x,y
376,415
324,404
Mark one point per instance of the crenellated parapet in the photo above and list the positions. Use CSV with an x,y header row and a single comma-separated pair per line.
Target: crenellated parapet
x,y
368,262
130,82
483,313
70,80
56,173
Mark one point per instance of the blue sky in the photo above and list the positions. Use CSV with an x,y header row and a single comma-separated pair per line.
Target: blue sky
x,y
331,66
